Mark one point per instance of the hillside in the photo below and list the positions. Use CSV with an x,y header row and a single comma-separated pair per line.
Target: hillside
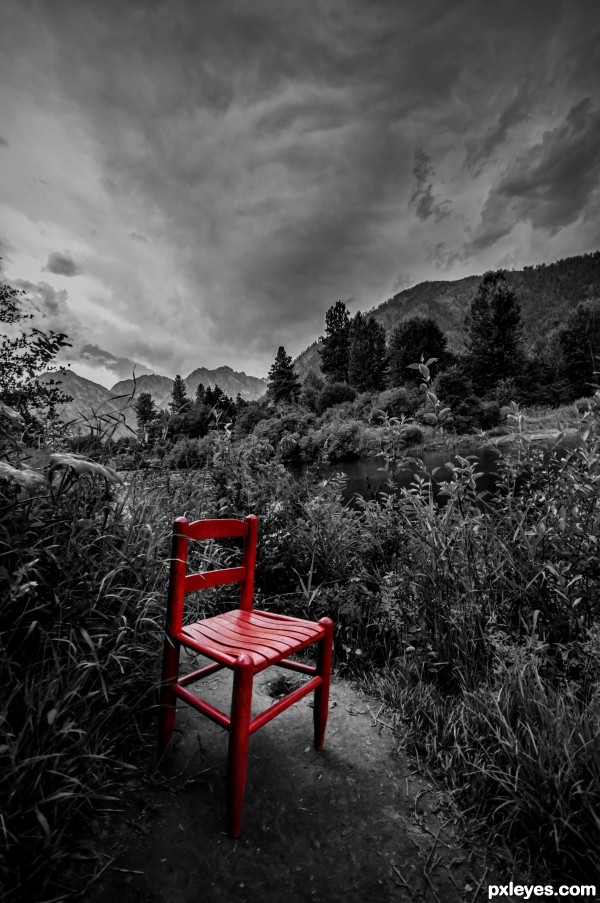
x,y
159,387
93,406
547,293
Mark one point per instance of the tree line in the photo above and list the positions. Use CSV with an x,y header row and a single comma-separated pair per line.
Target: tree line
x,y
496,366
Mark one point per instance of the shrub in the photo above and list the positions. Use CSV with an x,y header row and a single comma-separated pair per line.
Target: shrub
x,y
412,435
400,402
342,441
185,454
332,394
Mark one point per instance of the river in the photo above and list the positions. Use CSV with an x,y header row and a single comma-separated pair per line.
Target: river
x,y
365,476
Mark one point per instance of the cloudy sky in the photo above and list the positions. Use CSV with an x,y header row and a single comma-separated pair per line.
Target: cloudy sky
x,y
190,183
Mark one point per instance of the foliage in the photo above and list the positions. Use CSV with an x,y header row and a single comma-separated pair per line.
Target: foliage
x,y
335,348
252,414
145,411
334,393
493,328
367,356
24,356
180,403
311,387
412,339
283,384
398,402
186,453
579,341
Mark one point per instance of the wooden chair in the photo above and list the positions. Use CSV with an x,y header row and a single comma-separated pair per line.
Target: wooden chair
x,y
244,640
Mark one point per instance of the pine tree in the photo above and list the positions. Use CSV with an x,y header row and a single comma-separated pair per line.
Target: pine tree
x,y
336,343
367,357
579,341
494,333
411,340
283,383
145,412
180,402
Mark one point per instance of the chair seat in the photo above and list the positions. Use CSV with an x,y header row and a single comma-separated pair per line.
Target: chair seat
x,y
265,637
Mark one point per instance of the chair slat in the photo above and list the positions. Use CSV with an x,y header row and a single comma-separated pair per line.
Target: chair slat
x,y
230,644
214,529
243,640
208,579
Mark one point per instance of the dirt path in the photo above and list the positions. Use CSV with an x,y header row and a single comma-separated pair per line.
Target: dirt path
x,y
352,823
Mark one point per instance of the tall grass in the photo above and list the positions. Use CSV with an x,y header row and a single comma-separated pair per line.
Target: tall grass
x,y
478,620
82,573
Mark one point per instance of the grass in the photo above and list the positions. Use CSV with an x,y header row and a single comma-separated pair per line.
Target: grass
x,y
477,621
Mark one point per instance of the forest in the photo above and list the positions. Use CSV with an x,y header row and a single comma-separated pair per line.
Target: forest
x,y
367,376
475,621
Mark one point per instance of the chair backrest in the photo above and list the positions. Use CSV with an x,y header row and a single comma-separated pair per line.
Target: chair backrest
x,y
180,582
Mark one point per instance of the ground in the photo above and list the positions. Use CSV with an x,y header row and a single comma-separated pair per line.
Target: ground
x,y
355,822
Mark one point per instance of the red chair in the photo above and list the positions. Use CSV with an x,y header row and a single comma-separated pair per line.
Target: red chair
x,y
244,640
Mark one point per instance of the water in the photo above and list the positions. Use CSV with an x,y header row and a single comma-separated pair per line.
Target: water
x,y
366,478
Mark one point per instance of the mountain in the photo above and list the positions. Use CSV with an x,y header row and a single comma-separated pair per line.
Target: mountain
x,y
547,293
159,387
93,407
251,388
112,410
228,380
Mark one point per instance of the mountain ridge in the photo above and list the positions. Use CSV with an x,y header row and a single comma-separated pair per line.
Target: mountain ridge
x,y
230,381
547,293
112,412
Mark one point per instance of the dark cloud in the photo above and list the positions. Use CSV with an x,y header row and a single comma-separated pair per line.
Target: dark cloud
x,y
62,264
441,256
422,200
3,142
261,157
47,301
122,367
516,111
550,184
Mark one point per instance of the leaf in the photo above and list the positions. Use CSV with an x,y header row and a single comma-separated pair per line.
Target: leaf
x,y
24,476
424,371
80,465
414,366
431,361
10,413
43,822
430,418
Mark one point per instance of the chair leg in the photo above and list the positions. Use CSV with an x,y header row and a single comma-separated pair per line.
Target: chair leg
x,y
321,704
237,755
168,701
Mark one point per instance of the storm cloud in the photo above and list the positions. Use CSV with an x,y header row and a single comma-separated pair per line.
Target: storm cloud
x,y
227,171
551,184
122,367
422,199
62,264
